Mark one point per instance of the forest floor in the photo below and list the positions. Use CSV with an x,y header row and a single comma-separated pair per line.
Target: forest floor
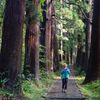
x,y
72,93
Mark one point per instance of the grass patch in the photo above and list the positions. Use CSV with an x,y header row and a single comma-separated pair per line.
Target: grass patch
x,y
31,90
90,90
34,91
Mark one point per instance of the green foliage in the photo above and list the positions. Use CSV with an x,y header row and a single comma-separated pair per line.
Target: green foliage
x,y
72,27
90,90
72,24
3,80
4,92
31,91
42,2
42,54
2,6
33,13
34,91
62,63
41,10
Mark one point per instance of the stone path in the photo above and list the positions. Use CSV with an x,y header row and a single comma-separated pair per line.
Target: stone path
x,y
73,92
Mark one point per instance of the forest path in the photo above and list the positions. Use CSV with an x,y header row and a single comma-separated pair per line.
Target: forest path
x,y
73,92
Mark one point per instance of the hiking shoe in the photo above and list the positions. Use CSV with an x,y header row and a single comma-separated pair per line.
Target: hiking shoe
x,y
63,90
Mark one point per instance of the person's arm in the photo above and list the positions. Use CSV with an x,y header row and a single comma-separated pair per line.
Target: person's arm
x,y
68,71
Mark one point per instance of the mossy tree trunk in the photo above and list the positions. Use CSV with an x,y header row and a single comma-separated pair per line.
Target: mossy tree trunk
x,y
32,39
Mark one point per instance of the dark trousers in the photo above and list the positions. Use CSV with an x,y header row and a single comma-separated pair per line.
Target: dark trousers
x,y
64,83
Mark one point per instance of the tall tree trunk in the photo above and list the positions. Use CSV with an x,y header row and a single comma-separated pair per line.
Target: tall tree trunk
x,y
12,42
56,55
48,36
61,34
74,56
67,55
79,52
71,55
54,48
32,40
88,34
93,72
43,25
52,33
42,36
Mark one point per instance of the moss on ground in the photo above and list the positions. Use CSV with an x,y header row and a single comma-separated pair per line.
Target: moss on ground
x,y
90,90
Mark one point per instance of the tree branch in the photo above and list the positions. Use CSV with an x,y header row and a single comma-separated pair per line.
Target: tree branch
x,y
81,9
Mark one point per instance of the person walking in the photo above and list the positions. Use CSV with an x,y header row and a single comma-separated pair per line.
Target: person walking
x,y
65,73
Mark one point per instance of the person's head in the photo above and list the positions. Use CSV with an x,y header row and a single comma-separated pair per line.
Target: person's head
x,y
65,65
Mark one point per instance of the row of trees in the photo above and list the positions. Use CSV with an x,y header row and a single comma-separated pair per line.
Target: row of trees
x,y
16,16
10,56
61,26
83,36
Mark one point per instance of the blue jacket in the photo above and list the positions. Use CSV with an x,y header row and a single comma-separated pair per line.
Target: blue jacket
x,y
65,73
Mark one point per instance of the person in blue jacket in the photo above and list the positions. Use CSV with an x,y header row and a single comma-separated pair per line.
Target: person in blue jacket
x,y
65,73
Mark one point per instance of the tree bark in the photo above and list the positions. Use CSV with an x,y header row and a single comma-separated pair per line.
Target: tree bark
x,y
52,34
42,36
12,42
93,72
43,25
61,34
48,36
32,41
88,34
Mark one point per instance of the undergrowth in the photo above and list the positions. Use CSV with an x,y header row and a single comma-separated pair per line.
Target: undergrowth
x,y
91,90
33,90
